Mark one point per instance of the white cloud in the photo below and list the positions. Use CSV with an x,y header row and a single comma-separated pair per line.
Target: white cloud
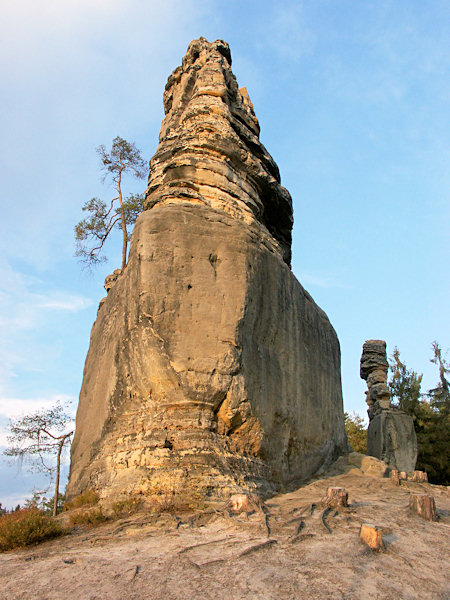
x,y
12,500
21,307
61,302
12,408
321,281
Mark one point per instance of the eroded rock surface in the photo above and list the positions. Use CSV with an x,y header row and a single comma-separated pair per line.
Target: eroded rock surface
x,y
210,367
390,435
209,152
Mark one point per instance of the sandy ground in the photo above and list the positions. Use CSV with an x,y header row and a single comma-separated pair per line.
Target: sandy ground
x,y
282,552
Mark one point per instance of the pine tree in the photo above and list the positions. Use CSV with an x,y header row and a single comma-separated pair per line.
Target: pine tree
x,y
37,437
121,212
430,413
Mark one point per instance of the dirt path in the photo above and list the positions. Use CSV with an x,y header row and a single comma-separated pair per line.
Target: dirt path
x,y
285,551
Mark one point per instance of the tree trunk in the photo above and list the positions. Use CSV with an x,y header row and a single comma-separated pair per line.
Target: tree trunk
x,y
424,506
420,476
124,224
336,496
58,466
395,476
372,535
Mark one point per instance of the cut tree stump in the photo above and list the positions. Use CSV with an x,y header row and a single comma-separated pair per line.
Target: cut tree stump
x,y
336,496
424,506
243,503
372,535
395,476
420,476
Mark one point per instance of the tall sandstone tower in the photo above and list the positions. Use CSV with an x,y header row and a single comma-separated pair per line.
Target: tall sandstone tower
x,y
209,364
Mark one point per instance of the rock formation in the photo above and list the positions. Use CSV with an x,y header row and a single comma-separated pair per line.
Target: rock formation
x,y
210,368
390,435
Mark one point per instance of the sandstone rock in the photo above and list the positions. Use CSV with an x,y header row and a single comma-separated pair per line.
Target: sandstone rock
x,y
373,368
210,367
369,465
209,152
390,436
373,467
110,280
355,459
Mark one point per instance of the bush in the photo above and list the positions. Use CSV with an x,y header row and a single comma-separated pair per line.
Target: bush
x,y
356,432
25,527
91,518
87,498
172,496
126,507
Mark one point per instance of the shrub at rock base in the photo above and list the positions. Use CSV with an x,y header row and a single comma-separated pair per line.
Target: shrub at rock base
x,y
91,517
26,527
87,498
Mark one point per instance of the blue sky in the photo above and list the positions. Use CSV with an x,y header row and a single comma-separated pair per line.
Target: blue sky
x,y
352,98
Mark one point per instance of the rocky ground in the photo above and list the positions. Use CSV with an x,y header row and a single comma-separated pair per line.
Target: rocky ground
x,y
288,549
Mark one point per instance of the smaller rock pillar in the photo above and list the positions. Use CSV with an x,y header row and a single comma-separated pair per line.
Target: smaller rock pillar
x,y
390,435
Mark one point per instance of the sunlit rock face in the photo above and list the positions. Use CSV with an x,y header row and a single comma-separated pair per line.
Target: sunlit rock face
x,y
210,368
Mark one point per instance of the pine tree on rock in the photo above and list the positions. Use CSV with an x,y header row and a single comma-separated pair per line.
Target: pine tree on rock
x,y
92,232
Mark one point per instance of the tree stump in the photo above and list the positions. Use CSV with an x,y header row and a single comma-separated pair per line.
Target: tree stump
x,y
336,496
372,535
403,475
395,476
239,503
420,476
424,506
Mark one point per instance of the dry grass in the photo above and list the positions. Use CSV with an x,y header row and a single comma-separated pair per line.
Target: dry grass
x,y
174,498
91,518
126,507
87,498
26,527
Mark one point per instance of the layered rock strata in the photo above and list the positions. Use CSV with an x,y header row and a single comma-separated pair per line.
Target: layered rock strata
x,y
210,368
390,436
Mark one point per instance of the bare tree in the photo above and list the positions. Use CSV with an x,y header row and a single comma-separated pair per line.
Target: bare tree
x,y
39,437
121,212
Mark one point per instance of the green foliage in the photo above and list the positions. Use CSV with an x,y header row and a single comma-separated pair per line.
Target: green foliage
x,y
430,413
100,222
91,518
440,395
356,432
124,156
44,504
25,527
87,498
92,232
404,385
